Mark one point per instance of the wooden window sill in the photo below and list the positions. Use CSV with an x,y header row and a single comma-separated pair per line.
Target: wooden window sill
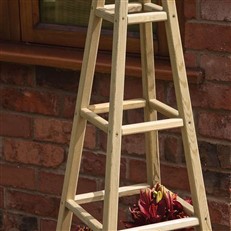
x,y
60,57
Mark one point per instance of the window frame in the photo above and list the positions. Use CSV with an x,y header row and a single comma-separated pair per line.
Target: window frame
x,y
40,33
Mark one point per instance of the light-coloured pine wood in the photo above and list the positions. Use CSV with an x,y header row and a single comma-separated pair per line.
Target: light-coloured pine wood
x,y
115,117
99,195
163,108
168,225
70,203
152,7
82,214
149,92
185,112
151,126
146,17
77,135
95,119
127,105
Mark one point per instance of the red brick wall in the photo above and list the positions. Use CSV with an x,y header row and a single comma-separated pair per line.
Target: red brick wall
x,y
37,106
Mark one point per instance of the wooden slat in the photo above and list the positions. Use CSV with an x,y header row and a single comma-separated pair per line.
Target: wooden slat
x,y
168,225
187,207
108,11
114,139
152,125
127,105
190,144
147,17
95,119
151,7
83,215
163,108
99,195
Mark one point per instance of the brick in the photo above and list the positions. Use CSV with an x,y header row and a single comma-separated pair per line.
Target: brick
x,y
17,176
211,96
52,130
217,183
214,125
216,67
27,152
90,137
212,37
220,212
190,9
134,144
218,10
47,225
86,184
69,106
137,171
224,156
57,79
173,149
50,183
174,177
1,198
101,86
15,222
190,59
217,227
25,100
133,88
93,163
17,74
208,154
40,205
15,125
1,220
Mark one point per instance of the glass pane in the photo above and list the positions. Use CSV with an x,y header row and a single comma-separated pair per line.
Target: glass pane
x,y
72,13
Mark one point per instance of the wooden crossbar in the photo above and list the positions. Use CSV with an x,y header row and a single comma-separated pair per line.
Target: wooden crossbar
x,y
146,17
151,126
152,7
127,105
99,195
121,14
163,108
83,215
168,225
95,119
135,18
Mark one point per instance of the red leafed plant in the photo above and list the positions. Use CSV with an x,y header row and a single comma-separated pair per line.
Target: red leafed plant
x,y
155,205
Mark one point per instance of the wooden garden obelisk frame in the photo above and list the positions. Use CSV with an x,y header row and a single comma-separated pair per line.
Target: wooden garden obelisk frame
x,y
121,14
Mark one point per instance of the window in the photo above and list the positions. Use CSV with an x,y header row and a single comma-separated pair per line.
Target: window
x,y
63,23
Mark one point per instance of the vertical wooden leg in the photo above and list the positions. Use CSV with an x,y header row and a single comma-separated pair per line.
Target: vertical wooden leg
x,y
110,215
149,92
185,112
79,124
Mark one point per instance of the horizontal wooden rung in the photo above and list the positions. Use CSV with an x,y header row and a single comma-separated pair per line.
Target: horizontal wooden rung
x,y
168,225
108,11
99,195
152,7
95,119
144,17
127,105
83,215
151,126
163,108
